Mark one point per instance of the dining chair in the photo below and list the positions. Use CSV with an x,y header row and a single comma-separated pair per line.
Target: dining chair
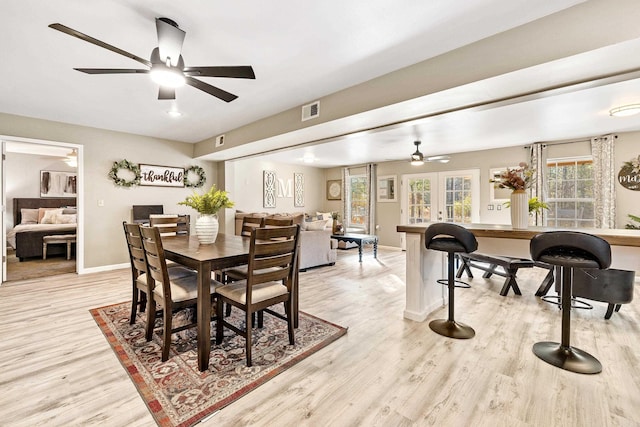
x,y
184,225
173,293
272,255
168,223
138,269
278,222
249,223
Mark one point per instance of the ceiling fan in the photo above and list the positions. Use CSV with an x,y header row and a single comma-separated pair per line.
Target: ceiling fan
x,y
166,65
417,158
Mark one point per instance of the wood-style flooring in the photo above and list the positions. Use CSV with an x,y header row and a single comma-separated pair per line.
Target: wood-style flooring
x,y
56,368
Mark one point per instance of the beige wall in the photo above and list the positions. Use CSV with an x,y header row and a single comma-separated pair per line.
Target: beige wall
x,y
103,238
244,178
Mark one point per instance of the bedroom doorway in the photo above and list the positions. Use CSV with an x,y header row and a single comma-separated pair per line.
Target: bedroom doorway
x,y
25,163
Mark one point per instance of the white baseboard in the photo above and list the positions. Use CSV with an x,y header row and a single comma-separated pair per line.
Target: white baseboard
x,y
104,268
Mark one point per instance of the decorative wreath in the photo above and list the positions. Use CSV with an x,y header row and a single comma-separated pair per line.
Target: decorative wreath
x,y
127,165
202,177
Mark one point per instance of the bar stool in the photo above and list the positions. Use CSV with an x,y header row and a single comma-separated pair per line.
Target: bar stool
x,y
569,250
452,239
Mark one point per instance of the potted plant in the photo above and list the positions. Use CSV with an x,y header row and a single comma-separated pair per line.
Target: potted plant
x,y
208,205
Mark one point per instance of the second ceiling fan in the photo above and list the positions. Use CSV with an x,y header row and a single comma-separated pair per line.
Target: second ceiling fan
x,y
166,65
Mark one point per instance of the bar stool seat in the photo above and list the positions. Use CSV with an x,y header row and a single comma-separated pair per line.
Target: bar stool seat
x,y
67,239
569,250
452,239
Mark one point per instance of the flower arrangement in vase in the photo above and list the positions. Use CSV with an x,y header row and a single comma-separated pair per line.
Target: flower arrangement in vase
x,y
517,179
208,205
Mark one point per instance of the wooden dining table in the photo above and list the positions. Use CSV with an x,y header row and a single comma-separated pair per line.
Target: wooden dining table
x,y
228,251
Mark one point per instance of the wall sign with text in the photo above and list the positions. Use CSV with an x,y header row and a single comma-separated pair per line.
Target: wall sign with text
x,y
629,175
161,176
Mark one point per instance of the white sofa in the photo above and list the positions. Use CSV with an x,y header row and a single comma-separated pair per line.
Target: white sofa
x,y
317,248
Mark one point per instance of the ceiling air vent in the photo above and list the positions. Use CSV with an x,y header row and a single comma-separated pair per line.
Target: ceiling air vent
x,y
311,111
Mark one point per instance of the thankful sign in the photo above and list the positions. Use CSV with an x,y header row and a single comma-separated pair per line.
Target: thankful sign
x,y
161,176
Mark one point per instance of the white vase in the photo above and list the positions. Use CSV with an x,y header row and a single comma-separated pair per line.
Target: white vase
x,y
207,228
519,210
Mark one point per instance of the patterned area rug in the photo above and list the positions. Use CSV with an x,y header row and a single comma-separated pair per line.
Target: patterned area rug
x,y
176,393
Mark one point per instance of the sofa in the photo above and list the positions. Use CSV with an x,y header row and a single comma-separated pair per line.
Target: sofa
x,y
317,248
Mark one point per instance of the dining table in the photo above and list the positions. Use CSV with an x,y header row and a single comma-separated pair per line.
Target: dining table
x,y
227,251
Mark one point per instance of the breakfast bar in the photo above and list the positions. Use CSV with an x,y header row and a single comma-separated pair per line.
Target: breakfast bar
x,y
424,267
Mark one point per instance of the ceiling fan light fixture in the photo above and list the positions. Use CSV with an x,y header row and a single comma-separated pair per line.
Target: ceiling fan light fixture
x,y
417,158
625,110
167,76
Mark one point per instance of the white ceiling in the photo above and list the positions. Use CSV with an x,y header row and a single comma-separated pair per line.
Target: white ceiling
x,y
300,52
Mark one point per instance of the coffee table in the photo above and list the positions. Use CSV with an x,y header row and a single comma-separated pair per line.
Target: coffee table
x,y
359,239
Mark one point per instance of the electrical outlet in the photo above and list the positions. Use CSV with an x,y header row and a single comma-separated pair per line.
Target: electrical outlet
x,y
101,203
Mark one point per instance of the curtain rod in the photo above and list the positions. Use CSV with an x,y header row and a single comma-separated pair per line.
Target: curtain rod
x,y
544,144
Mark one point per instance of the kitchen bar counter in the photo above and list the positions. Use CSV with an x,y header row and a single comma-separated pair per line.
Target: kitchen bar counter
x,y
424,267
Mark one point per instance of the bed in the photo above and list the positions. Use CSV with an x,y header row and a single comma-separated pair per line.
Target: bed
x,y
26,239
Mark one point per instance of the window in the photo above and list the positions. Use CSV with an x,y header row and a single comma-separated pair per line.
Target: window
x,y
457,195
419,200
570,198
358,201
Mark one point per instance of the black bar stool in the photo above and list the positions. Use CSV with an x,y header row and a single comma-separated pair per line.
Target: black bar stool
x,y
452,239
569,250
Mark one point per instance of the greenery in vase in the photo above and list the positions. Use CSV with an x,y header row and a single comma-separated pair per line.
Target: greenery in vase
x,y
208,203
631,226
535,205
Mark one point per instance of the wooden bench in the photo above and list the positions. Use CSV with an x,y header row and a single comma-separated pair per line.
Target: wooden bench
x,y
67,239
509,265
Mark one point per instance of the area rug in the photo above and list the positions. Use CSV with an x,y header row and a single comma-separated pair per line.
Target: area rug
x,y
175,391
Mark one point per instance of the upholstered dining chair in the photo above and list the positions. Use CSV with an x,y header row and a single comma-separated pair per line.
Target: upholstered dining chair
x,y
173,292
138,269
272,255
278,222
166,222
249,223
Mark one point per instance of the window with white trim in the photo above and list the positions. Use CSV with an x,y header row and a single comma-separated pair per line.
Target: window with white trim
x,y
570,192
358,201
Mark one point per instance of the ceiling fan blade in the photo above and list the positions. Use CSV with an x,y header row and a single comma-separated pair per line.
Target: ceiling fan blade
x,y
211,90
438,159
82,36
170,39
166,93
238,72
111,71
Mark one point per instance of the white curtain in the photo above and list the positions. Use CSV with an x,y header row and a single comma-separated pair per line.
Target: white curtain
x,y
602,150
345,196
538,162
370,223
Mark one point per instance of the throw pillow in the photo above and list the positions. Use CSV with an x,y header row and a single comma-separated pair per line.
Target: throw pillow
x,y
29,216
324,215
69,211
315,225
41,212
49,216
65,219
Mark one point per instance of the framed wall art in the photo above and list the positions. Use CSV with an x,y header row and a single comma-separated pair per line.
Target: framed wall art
x,y
298,190
387,188
334,189
269,189
58,184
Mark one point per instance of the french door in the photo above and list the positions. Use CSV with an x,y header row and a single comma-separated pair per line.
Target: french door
x,y
452,196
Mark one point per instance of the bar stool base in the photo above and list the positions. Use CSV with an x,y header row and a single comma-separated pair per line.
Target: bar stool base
x,y
567,358
452,329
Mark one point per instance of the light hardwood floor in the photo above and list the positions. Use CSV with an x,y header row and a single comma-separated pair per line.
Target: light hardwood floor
x,y
56,368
